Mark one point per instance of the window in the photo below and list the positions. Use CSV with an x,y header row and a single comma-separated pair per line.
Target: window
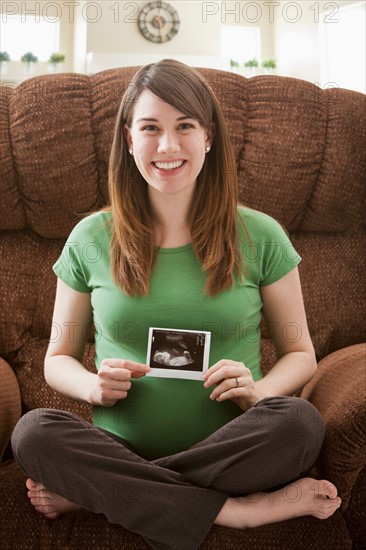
x,y
28,33
240,43
342,47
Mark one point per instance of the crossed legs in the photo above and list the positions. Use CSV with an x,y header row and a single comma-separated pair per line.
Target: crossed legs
x,y
226,479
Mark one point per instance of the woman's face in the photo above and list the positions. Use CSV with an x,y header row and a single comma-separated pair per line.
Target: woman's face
x,y
168,146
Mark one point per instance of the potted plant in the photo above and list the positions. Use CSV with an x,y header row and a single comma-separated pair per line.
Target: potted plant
x,y
234,65
28,60
4,59
251,65
269,65
55,61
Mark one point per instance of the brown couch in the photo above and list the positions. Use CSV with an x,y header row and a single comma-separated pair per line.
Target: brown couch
x,y
301,158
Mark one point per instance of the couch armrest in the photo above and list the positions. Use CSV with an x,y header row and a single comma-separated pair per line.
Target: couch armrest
x,y
10,404
338,391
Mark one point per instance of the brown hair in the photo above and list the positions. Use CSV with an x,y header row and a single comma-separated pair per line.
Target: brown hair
x,y
213,216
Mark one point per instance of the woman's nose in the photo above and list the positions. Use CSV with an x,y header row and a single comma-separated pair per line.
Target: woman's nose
x,y
168,143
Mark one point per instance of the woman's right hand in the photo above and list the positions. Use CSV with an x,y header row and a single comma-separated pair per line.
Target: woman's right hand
x,y
113,380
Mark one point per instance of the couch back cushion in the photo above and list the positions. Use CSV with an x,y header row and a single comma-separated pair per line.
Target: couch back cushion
x,y
300,158
299,149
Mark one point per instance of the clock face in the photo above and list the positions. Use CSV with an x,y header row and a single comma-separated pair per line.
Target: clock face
x,y
158,22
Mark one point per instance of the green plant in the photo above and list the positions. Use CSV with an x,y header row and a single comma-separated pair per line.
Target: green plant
x,y
269,64
57,57
234,63
29,57
251,63
4,56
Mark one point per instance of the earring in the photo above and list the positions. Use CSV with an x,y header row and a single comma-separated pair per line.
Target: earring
x,y
130,151
207,148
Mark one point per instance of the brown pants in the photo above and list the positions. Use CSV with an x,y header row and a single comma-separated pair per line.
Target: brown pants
x,y
173,501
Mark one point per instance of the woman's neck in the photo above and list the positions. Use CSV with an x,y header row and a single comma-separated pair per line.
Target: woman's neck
x,y
173,212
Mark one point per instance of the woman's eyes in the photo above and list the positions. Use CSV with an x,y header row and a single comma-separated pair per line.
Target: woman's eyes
x,y
150,128
185,126
153,128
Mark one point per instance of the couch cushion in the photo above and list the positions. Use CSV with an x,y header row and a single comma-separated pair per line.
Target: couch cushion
x,y
53,152
333,286
338,391
10,406
298,148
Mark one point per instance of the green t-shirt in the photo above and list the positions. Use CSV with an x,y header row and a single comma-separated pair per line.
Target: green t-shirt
x,y
163,416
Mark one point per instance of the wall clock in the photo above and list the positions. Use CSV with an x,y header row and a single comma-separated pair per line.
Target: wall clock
x,y
158,22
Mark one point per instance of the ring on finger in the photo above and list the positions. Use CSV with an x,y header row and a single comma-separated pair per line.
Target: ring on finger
x,y
236,382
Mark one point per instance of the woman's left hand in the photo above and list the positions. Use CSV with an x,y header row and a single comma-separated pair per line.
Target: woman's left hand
x,y
233,381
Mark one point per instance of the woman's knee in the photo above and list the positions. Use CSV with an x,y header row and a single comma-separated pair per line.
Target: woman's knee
x,y
32,432
304,417
28,430
295,419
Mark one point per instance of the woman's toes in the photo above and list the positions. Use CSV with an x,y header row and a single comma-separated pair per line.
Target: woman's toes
x,y
47,510
34,485
328,508
327,488
52,515
30,484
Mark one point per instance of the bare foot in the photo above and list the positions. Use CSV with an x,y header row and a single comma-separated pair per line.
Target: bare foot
x,y
47,503
305,497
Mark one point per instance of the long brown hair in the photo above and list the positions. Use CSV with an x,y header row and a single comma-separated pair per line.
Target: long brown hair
x,y
213,215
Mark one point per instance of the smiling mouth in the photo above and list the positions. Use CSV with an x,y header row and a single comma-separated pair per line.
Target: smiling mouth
x,y
169,165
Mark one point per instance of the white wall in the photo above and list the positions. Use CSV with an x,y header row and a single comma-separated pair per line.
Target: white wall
x,y
199,36
198,40
296,37
118,31
80,38
343,49
296,43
